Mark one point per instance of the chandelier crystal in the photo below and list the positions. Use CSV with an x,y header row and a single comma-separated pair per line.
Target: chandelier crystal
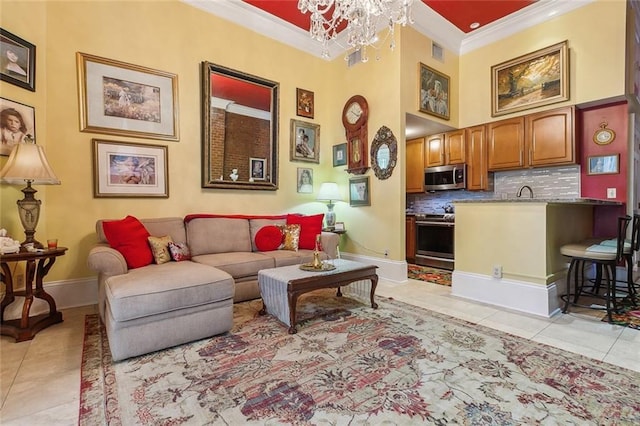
x,y
363,19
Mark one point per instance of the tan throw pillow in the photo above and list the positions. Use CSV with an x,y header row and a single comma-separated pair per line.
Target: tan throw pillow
x,y
291,237
160,248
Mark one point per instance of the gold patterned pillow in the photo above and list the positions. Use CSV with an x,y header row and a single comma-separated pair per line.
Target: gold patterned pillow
x,y
160,248
291,237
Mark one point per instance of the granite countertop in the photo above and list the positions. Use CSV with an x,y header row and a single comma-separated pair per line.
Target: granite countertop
x,y
544,200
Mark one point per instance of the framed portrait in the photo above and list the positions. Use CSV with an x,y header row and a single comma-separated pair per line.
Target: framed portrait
x,y
603,164
305,180
532,80
123,99
359,194
304,103
434,92
122,169
18,122
340,155
18,61
305,142
258,167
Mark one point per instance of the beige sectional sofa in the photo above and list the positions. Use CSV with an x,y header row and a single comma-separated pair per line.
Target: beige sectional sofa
x,y
162,305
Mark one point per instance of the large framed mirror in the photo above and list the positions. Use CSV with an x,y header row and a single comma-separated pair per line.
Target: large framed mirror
x,y
384,153
240,130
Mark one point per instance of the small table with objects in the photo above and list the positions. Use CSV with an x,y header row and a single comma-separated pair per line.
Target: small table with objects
x,y
281,287
37,267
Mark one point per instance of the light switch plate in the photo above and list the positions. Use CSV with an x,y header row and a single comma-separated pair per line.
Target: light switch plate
x,y
611,193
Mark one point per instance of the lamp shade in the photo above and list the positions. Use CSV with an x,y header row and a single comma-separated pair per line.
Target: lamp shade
x,y
27,163
329,192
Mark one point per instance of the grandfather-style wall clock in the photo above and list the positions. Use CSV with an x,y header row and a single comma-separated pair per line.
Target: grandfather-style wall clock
x,y
355,118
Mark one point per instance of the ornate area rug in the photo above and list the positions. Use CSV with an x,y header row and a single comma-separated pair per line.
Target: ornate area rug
x,y
629,315
352,365
432,275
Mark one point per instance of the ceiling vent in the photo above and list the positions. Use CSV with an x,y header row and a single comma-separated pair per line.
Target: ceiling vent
x,y
354,57
437,52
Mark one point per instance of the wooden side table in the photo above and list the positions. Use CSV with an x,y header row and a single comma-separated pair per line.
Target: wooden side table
x,y
38,265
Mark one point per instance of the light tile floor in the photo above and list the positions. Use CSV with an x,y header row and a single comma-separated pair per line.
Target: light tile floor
x,y
40,379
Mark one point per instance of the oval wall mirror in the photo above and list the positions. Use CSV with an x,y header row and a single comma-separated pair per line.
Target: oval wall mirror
x,y
384,153
240,130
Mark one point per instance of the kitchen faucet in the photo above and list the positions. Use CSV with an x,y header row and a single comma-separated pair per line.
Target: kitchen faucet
x,y
523,187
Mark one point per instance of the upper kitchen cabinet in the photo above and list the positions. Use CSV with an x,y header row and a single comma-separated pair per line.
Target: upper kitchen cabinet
x,y
445,148
415,165
541,139
478,178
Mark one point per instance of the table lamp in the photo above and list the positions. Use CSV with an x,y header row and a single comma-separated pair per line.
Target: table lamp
x,y
27,163
330,192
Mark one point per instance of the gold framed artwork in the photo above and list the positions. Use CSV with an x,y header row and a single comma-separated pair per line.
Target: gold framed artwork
x,y
532,80
603,164
304,103
305,142
118,98
434,92
359,193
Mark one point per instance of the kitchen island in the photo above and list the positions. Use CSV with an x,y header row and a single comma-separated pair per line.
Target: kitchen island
x,y
507,252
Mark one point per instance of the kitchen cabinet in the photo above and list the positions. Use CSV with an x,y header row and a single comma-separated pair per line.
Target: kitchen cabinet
x,y
410,230
535,140
478,177
445,148
415,165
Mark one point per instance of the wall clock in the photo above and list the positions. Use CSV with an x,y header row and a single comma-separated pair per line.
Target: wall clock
x,y
604,136
355,117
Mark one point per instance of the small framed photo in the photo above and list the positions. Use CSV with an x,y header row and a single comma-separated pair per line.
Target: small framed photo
x,y
122,169
18,61
18,123
339,226
305,180
258,167
304,103
305,142
604,164
123,99
359,194
340,155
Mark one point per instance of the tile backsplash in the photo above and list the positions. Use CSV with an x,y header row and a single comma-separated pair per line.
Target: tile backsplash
x,y
546,182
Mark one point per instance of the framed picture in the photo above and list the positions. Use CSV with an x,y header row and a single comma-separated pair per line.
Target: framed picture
x,y
122,169
359,194
340,155
117,98
305,141
604,164
339,226
304,103
18,61
434,92
305,180
532,80
18,123
258,167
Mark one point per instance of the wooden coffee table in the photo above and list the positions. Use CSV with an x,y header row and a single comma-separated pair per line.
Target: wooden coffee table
x,y
281,287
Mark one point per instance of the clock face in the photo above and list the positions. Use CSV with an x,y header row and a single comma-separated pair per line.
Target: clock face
x,y
603,136
354,112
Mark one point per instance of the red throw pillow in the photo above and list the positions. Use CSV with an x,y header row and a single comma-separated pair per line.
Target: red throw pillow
x,y
129,237
269,238
310,227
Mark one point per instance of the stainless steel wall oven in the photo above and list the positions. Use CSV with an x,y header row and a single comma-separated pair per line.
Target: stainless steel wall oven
x,y
435,240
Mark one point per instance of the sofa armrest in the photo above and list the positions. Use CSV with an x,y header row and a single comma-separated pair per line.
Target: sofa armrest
x,y
106,260
330,243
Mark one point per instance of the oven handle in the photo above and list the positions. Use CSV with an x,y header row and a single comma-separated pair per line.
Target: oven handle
x,y
449,224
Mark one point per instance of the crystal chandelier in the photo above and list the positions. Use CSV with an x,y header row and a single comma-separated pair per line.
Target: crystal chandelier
x,y
363,18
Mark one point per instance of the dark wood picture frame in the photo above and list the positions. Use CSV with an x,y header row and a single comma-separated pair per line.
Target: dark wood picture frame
x,y
340,155
304,103
18,61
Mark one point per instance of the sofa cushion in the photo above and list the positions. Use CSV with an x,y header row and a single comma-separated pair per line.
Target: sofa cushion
x,y
255,224
269,238
291,237
179,251
238,264
160,248
310,227
218,235
129,237
156,289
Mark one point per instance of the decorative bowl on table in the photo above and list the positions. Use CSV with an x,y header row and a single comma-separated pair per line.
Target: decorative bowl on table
x,y
324,266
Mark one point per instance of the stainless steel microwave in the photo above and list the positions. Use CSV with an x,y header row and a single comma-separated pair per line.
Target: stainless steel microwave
x,y
443,178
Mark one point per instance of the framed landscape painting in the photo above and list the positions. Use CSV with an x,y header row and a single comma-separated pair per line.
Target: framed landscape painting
x,y
123,99
532,80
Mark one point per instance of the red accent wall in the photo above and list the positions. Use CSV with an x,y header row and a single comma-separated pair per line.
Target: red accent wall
x,y
595,186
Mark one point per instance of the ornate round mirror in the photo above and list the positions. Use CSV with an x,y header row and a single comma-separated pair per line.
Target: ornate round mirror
x,y
384,153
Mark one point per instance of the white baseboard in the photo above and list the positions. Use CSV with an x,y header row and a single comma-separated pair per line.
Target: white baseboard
x,y
389,270
517,295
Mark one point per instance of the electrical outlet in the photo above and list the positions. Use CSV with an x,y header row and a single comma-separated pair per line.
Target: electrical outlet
x,y
497,271
611,193
386,252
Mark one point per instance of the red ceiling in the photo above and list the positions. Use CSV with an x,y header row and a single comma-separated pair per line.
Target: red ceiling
x,y
461,13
